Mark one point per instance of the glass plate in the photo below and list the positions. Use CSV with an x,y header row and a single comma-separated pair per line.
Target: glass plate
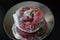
x,y
48,16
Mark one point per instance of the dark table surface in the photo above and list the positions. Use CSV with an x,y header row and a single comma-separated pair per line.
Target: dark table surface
x,y
5,5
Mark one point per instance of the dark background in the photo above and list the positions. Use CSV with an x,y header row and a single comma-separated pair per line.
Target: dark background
x,y
54,5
